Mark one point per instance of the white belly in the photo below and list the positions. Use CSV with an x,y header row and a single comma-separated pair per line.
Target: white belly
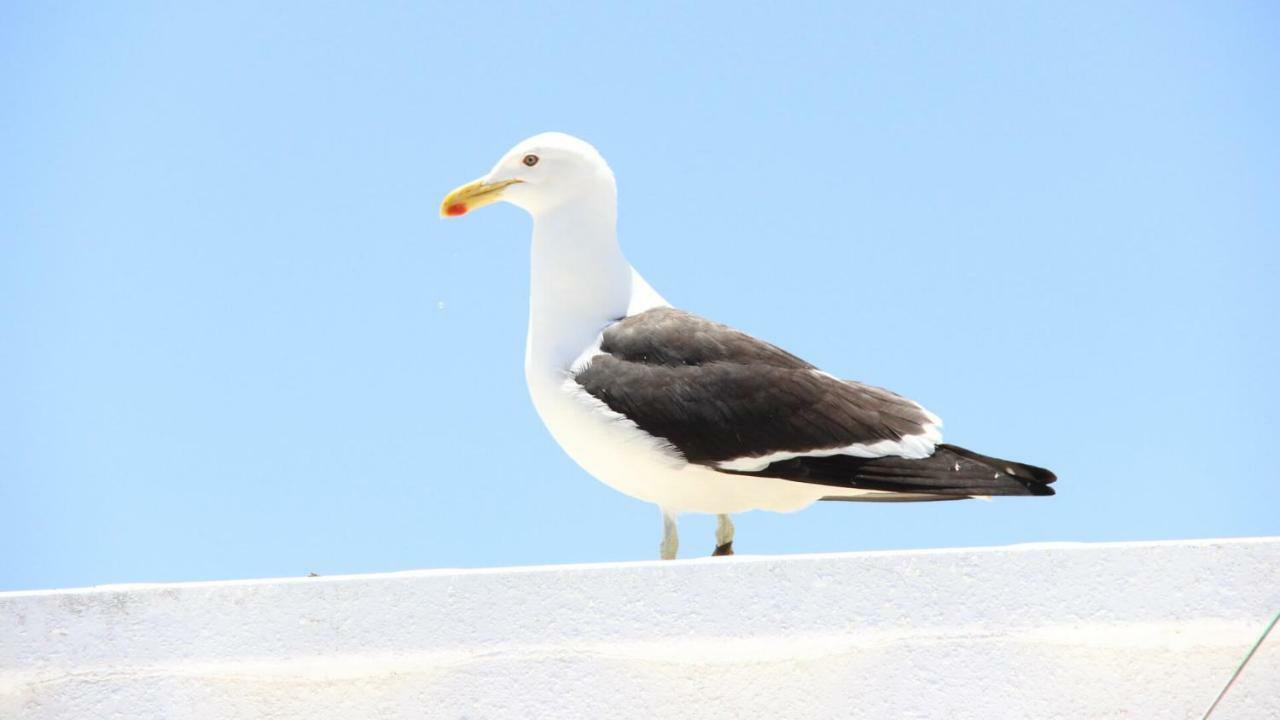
x,y
624,457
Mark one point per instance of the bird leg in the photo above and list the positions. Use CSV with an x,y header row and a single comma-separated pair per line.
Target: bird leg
x,y
670,540
724,536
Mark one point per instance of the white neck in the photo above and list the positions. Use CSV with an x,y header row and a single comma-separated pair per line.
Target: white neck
x,y
580,280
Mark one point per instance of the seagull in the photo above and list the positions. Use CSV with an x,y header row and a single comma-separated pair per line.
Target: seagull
x,y
685,413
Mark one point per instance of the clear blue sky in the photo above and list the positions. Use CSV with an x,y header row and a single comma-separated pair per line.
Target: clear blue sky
x,y
236,341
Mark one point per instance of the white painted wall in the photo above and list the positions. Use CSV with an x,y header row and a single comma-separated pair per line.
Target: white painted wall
x,y
1141,630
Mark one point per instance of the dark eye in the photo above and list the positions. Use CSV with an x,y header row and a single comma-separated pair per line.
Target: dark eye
x,y
530,160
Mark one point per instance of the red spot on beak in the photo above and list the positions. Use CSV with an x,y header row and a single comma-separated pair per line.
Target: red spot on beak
x,y
456,209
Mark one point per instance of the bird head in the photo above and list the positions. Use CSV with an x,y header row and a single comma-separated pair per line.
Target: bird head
x,y
537,174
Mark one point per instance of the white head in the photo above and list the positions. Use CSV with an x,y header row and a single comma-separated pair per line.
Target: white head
x,y
537,175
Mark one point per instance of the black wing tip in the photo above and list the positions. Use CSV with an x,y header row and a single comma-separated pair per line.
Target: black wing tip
x,y
952,473
1038,483
1034,479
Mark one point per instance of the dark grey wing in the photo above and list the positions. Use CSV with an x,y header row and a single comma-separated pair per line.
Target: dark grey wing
x,y
732,402
742,406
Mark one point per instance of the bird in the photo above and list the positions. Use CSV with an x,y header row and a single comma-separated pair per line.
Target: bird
x,y
685,413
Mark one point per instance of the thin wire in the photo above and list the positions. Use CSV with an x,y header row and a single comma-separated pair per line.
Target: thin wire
x,y
1240,667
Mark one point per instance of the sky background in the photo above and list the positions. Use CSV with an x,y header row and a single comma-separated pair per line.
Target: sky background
x,y
236,340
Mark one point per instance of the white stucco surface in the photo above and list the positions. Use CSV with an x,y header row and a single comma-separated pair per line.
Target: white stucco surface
x,y
1134,630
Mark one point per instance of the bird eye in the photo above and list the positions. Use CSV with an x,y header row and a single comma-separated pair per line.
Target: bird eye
x,y
530,160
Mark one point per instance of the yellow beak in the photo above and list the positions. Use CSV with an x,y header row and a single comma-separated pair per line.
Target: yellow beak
x,y
473,195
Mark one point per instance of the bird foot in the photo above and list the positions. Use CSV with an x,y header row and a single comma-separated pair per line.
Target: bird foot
x,y
725,549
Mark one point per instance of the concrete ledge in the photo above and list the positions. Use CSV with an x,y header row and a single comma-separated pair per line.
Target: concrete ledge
x,y
1141,630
